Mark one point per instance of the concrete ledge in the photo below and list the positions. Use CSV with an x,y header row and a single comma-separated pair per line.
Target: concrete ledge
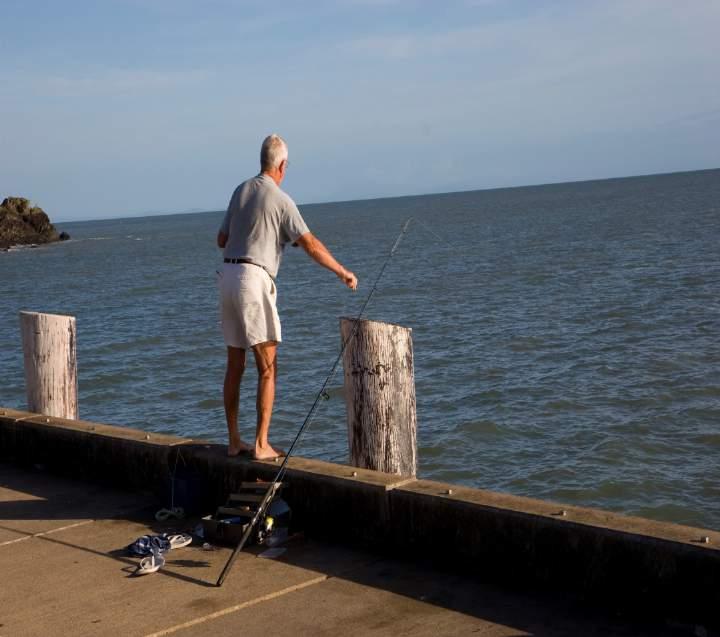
x,y
633,562
125,457
524,541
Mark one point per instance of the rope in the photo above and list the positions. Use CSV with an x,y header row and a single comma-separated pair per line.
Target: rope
x,y
177,513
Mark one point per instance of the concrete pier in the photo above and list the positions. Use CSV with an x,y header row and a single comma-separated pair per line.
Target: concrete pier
x,y
64,572
664,575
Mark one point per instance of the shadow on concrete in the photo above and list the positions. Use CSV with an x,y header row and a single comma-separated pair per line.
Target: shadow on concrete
x,y
534,612
50,499
120,555
53,498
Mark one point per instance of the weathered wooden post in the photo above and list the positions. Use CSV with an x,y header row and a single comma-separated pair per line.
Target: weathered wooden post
x,y
50,363
380,396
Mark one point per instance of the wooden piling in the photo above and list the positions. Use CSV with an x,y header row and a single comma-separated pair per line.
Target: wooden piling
x,y
380,396
50,363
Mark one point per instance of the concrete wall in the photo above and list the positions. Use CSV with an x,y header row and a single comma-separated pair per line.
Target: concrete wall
x,y
640,564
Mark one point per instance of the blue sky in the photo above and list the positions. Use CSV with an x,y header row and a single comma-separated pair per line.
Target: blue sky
x,y
114,109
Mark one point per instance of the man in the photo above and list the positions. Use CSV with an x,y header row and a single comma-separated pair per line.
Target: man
x,y
261,219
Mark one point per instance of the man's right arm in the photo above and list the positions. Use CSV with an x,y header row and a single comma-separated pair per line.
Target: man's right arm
x,y
317,251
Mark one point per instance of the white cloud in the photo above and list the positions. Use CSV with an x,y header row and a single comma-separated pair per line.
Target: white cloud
x,y
609,30
120,82
623,62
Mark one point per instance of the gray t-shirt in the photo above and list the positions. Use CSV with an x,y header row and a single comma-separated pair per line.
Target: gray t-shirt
x,y
260,220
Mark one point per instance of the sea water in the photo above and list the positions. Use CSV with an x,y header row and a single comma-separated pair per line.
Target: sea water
x,y
566,337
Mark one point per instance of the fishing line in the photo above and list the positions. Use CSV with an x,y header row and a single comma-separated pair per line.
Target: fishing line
x,y
437,236
272,489
322,393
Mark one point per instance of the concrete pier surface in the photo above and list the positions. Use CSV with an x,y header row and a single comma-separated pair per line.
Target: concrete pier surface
x,y
64,571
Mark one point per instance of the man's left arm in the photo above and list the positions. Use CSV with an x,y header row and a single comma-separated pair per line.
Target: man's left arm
x,y
224,231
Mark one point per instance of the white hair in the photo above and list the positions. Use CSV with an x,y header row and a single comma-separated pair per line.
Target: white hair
x,y
273,151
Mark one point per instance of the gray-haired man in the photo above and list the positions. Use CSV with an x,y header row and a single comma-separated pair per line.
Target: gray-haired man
x,y
261,219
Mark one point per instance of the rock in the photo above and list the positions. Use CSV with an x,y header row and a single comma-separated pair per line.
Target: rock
x,y
64,236
22,224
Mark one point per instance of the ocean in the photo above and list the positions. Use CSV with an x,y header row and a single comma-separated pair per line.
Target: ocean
x,y
566,337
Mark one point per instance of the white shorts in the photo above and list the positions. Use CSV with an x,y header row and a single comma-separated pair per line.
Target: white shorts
x,y
248,306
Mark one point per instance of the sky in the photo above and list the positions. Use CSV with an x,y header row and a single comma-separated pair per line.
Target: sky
x,y
123,108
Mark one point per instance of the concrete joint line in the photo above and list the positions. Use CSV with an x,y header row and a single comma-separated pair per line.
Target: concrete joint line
x,y
237,607
17,420
50,532
401,483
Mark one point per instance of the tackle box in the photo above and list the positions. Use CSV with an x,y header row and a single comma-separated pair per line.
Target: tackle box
x,y
230,521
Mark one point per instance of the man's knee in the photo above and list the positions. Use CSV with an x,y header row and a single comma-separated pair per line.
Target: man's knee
x,y
268,371
266,360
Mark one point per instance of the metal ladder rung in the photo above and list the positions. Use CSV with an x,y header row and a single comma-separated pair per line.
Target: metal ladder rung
x,y
246,497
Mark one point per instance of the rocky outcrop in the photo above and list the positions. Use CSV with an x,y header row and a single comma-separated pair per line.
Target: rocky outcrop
x,y
23,224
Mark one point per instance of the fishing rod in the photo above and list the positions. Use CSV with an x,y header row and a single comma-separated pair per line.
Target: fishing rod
x,y
275,484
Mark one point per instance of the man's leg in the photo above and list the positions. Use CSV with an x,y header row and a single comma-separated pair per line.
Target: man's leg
x,y
231,397
266,362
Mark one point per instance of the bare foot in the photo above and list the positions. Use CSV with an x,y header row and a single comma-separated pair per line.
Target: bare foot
x,y
267,452
236,448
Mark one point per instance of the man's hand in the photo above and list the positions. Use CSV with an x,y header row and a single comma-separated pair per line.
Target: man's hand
x,y
349,279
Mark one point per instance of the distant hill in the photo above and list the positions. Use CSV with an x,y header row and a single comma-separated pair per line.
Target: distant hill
x,y
23,224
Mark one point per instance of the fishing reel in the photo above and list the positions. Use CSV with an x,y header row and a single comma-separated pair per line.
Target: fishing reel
x,y
275,522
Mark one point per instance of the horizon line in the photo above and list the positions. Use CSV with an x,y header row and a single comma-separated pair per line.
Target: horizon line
x,y
425,194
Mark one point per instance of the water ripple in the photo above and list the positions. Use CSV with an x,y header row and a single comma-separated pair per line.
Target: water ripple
x,y
565,349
